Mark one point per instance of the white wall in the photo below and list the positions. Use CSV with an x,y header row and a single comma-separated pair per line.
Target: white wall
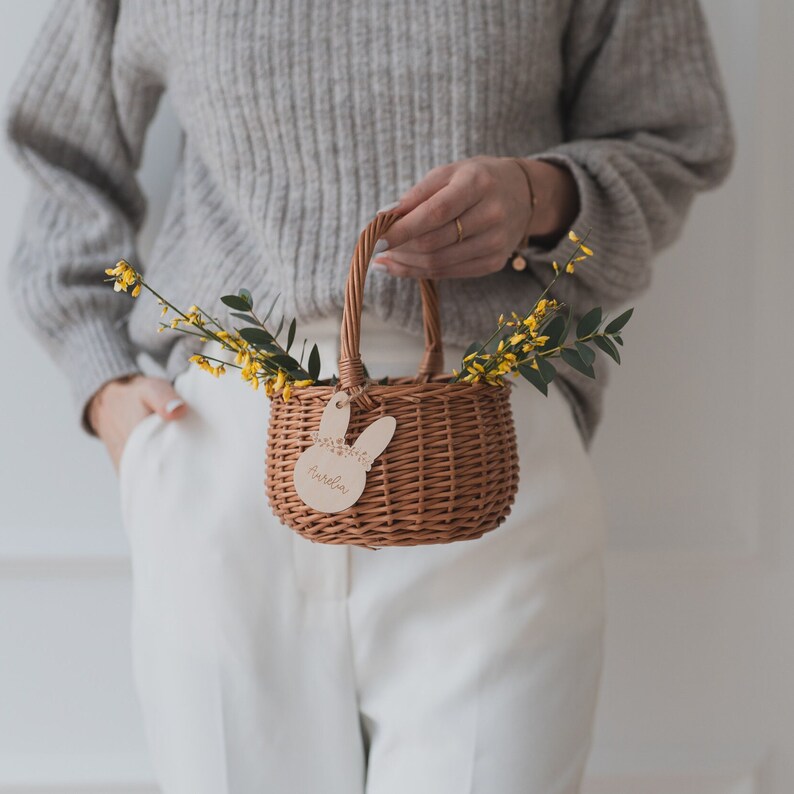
x,y
694,453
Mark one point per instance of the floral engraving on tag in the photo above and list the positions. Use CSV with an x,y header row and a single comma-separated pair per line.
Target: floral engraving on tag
x,y
338,447
330,475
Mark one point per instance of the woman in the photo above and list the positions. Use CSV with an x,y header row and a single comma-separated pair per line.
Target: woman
x,y
265,662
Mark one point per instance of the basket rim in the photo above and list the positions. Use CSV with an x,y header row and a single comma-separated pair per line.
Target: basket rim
x,y
404,384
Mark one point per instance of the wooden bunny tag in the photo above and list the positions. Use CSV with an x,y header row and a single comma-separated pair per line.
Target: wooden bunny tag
x,y
330,476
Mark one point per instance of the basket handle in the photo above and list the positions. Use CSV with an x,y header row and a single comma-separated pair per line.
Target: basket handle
x,y
351,371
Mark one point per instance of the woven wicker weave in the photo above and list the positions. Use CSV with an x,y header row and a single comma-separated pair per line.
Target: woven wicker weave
x,y
449,473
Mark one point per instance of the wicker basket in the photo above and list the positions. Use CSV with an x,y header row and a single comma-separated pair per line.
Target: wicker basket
x,y
450,471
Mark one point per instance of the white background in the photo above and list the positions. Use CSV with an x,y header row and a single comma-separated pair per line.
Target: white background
x,y
694,454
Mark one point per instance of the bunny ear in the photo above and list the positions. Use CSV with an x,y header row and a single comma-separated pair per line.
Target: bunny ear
x,y
373,439
335,417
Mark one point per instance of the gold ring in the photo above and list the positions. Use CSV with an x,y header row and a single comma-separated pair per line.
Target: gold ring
x,y
460,229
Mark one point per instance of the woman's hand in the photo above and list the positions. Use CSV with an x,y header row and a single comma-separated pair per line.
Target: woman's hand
x,y
121,403
490,195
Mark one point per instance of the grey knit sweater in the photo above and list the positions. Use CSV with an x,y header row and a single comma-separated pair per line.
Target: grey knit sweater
x,y
302,117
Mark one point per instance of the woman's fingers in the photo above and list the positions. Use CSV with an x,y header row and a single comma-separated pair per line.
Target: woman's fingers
x,y
471,268
485,241
431,183
472,248
440,209
485,217
160,396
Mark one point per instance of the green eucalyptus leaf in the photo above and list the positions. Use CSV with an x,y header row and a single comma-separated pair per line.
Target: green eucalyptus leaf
x,y
256,336
270,310
472,348
607,346
567,328
618,322
280,326
587,354
291,333
533,376
573,359
284,362
246,295
618,339
314,363
554,331
546,369
236,302
245,317
589,322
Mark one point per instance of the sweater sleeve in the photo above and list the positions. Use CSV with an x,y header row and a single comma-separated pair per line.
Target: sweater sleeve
x,y
646,126
81,147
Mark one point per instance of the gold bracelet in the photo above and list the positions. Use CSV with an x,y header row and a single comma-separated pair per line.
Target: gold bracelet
x,y
524,165
516,259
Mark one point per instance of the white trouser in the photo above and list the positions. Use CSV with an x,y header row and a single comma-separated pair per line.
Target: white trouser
x,y
269,664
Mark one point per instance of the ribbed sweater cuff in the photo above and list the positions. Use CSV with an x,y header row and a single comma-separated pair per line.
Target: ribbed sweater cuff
x,y
93,352
621,269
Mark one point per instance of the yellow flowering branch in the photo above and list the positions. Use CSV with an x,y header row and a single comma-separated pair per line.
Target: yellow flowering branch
x,y
532,333
259,359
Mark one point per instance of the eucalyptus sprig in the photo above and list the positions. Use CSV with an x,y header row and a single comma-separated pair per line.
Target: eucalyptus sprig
x,y
526,343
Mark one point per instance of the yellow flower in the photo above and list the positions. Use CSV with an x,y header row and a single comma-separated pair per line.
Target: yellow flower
x,y
287,392
125,275
136,290
299,384
586,250
573,237
541,340
542,305
165,309
516,338
569,267
282,376
556,267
